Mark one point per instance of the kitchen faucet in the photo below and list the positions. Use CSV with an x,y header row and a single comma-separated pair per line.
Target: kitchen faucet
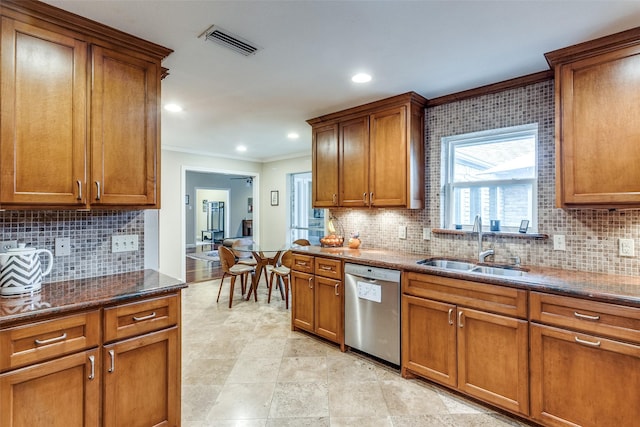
x,y
477,227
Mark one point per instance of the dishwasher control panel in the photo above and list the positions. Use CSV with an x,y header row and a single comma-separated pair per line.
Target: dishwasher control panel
x,y
372,272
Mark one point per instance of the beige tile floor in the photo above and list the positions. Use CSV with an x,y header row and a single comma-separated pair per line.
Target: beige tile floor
x,y
244,367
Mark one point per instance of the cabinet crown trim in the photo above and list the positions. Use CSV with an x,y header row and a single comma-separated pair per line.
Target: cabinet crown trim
x,y
593,47
405,98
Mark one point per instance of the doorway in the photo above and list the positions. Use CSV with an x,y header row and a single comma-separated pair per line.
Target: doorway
x,y
217,204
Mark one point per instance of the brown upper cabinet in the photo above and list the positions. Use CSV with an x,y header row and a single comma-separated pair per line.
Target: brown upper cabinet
x,y
371,155
597,132
80,120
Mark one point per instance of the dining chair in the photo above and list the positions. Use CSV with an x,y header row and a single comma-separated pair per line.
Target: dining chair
x,y
231,268
243,257
302,242
281,272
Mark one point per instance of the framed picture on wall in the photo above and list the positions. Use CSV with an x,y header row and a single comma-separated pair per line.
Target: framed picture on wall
x,y
275,199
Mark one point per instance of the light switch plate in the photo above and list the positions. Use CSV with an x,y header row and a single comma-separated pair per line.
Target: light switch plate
x,y
124,243
426,233
402,232
559,243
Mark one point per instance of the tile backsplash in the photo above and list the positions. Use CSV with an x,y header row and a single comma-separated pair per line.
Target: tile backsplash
x,y
90,234
591,235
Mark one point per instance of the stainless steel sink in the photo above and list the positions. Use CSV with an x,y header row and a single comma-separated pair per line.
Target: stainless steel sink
x,y
448,264
497,271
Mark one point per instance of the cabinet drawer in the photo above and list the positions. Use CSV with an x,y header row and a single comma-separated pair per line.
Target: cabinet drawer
x,y
302,263
328,267
590,316
492,298
35,342
128,320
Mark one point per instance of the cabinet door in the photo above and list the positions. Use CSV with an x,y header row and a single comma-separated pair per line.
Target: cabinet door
x,y
325,166
329,308
124,129
354,162
142,381
429,339
302,294
43,118
388,157
577,379
64,392
599,106
493,359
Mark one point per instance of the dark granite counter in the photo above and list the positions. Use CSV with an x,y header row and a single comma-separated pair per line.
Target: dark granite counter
x,y
73,295
615,289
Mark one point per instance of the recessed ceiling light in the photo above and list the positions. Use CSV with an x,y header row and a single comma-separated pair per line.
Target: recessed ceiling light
x,y
174,108
241,148
293,135
361,78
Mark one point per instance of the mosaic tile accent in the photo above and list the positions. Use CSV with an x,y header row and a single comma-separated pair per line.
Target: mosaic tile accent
x,y
90,234
591,235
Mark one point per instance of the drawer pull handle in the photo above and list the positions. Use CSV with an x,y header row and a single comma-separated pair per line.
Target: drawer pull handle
x,y
326,267
460,324
585,316
79,189
112,358
98,190
450,316
336,289
139,319
592,344
51,340
92,361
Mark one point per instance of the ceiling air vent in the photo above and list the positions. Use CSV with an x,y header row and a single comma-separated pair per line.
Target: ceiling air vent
x,y
225,38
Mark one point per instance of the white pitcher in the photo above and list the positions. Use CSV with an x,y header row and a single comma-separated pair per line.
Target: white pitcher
x,y
21,270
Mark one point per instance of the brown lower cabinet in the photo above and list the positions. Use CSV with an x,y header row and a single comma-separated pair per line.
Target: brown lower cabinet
x,y
448,339
317,292
64,372
585,362
59,393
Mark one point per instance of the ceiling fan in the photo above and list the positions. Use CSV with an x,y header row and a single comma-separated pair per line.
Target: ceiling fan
x,y
248,179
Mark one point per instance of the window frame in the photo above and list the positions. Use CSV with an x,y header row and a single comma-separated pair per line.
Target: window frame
x,y
449,144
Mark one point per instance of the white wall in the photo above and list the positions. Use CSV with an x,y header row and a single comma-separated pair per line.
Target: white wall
x,y
171,216
274,219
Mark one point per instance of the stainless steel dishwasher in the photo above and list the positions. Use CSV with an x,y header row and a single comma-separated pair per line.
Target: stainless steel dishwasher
x,y
372,311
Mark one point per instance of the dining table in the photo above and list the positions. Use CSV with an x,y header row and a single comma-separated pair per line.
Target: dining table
x,y
264,255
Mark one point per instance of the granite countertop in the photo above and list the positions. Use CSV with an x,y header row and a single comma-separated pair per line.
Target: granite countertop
x,y
73,295
609,288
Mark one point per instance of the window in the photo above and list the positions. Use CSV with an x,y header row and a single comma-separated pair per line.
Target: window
x,y
304,221
492,174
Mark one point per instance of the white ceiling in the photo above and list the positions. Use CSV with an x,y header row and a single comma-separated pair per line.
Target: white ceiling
x,y
311,48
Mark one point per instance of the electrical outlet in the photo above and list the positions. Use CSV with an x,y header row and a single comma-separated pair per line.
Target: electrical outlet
x,y
626,247
559,243
426,234
124,243
402,232
63,246
8,244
